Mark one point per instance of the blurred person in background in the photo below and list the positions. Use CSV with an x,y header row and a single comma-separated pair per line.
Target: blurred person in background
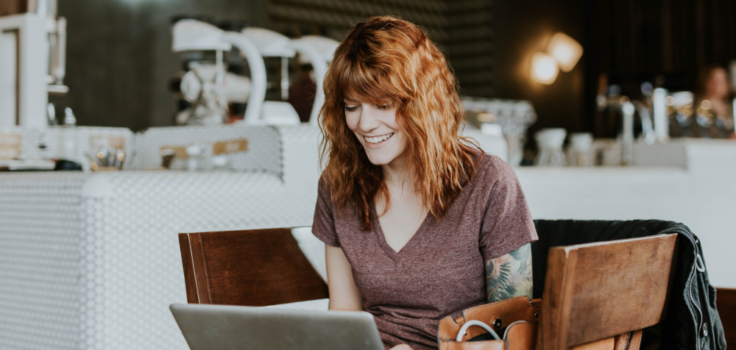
x,y
302,92
714,110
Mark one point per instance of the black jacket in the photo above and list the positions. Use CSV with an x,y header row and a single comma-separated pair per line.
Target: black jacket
x,y
692,321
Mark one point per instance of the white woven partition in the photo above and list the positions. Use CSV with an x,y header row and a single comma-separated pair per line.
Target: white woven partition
x,y
92,261
40,294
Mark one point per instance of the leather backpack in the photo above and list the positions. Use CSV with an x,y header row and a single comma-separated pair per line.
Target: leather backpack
x,y
509,324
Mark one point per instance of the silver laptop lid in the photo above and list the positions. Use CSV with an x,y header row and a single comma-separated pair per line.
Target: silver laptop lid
x,y
214,327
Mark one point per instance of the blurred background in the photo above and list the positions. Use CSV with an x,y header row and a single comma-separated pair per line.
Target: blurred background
x,y
126,122
120,59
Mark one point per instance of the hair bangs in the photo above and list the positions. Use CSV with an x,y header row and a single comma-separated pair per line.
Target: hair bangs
x,y
363,82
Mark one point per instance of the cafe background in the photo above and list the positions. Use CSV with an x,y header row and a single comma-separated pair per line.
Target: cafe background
x,y
120,61
90,258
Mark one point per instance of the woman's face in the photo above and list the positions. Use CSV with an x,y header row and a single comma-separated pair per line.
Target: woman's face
x,y
716,86
376,128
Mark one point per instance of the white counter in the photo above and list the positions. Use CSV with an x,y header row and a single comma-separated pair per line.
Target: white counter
x,y
701,195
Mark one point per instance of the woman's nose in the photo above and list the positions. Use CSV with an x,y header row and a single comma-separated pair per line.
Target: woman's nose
x,y
368,118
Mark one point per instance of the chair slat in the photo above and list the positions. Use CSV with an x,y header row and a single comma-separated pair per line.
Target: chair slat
x,y
726,303
599,290
251,267
187,264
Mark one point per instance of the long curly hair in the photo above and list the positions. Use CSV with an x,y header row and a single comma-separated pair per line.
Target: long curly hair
x,y
386,59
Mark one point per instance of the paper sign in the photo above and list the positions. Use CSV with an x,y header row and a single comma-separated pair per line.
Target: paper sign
x,y
99,141
230,146
218,148
10,145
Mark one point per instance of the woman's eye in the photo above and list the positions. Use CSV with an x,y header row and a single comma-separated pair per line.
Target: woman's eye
x,y
351,108
382,106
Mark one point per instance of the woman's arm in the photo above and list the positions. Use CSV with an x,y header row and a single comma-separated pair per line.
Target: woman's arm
x,y
344,295
510,275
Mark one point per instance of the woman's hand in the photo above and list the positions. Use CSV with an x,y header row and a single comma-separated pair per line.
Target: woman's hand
x,y
401,347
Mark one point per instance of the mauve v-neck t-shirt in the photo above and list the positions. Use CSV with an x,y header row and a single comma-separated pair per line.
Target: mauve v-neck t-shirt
x,y
441,270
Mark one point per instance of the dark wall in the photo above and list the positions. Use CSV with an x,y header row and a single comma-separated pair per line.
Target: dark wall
x,y
523,27
463,29
665,42
120,59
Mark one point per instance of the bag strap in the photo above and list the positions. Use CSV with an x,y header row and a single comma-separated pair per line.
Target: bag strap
x,y
470,323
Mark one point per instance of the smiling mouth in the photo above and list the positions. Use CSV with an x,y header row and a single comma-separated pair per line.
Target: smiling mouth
x,y
377,139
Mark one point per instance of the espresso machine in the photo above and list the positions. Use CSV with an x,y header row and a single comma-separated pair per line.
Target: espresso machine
x,y
206,89
207,83
211,89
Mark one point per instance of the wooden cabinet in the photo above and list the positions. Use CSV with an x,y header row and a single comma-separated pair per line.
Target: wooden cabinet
x,y
12,7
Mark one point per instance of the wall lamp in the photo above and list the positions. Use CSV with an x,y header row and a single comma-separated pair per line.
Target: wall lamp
x,y
563,53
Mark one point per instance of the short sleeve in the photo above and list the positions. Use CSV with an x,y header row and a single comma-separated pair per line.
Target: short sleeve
x,y
323,226
507,221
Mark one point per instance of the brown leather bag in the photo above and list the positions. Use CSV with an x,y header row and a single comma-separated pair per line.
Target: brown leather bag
x,y
519,317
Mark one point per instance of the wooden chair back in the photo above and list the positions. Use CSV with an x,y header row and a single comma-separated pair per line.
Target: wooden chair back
x,y
251,267
726,304
600,295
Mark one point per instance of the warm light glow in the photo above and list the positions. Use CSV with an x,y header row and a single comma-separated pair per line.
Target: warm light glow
x,y
544,68
565,50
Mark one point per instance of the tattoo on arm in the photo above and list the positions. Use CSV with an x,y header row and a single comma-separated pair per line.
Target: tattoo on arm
x,y
510,275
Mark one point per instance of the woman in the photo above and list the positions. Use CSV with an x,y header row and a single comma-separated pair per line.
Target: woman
x,y
417,224
713,103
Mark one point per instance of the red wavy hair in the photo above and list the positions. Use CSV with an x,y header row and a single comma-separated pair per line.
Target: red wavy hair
x,y
389,60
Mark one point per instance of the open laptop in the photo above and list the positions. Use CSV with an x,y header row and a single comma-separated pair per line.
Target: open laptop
x,y
214,327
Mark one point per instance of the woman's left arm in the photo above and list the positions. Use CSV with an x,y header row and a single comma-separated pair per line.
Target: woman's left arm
x,y
510,275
